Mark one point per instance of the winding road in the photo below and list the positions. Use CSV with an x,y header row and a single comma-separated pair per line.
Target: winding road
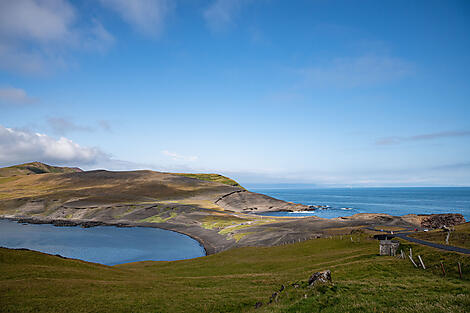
x,y
403,235
433,244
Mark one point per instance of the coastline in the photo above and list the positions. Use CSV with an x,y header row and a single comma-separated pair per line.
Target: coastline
x,y
271,232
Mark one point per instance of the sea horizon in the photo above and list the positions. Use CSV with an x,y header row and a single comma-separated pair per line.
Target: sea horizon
x,y
395,201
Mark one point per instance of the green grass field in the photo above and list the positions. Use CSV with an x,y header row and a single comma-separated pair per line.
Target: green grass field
x,y
235,280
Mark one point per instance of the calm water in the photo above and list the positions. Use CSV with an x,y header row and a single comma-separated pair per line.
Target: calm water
x,y
394,201
103,244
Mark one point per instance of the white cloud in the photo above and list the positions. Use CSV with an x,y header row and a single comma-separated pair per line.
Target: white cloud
x,y
355,72
18,146
11,95
145,15
45,20
178,157
35,36
221,13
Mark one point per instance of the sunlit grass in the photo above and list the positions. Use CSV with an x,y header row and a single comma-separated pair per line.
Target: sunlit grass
x,y
233,281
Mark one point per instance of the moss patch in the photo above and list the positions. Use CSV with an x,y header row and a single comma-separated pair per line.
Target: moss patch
x,y
159,219
221,221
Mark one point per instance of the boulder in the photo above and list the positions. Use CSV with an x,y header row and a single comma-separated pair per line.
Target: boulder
x,y
320,277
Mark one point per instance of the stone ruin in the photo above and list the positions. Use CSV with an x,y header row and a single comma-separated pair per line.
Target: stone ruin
x,y
388,247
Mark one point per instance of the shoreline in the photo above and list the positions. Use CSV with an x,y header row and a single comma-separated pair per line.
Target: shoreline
x,y
277,231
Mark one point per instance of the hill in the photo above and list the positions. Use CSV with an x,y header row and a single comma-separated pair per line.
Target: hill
x,y
35,168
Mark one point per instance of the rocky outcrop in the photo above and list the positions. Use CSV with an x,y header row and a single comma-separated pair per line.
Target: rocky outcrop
x,y
320,277
440,220
251,202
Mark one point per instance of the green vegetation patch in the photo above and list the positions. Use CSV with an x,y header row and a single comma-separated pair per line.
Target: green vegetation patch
x,y
247,224
159,219
212,177
221,221
239,236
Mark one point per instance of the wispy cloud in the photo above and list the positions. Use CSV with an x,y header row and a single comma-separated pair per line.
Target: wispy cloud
x,y
360,71
397,140
63,126
35,35
15,96
17,146
221,13
105,125
454,166
146,16
179,157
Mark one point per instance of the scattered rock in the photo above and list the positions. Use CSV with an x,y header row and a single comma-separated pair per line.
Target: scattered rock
x,y
258,304
274,297
320,277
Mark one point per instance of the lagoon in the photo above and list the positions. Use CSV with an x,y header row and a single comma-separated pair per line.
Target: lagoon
x,y
107,245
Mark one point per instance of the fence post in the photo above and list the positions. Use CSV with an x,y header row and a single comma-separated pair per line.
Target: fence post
x,y
443,270
421,260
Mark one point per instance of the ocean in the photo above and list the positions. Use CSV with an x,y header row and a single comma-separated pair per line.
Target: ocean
x,y
393,201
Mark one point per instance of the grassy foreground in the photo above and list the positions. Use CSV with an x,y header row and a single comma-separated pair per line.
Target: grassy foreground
x,y
235,280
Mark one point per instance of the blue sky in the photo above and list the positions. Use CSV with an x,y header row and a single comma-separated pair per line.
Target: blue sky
x,y
330,93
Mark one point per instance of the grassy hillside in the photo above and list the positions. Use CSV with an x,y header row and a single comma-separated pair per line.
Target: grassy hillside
x,y
212,177
235,280
35,168
108,186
